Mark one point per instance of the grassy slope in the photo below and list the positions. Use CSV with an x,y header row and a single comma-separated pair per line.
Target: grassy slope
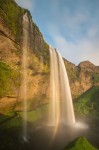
x,y
88,102
80,144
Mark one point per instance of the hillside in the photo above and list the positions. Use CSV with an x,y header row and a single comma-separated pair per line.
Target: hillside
x,y
80,144
88,102
82,77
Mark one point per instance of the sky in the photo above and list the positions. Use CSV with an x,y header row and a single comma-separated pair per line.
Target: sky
x,y
70,26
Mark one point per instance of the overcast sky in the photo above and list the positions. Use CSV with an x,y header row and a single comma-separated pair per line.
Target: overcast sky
x,y
71,26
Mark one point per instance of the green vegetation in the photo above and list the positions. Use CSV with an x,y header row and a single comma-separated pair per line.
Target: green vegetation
x,y
88,102
12,15
8,80
14,120
38,65
80,143
36,114
73,74
38,44
96,77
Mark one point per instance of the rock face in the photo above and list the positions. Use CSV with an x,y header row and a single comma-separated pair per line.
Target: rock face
x,y
11,38
81,77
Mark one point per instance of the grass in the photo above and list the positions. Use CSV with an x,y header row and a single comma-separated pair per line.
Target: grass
x,y
88,102
80,143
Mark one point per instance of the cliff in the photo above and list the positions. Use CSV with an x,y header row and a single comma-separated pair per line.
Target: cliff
x,y
81,77
11,43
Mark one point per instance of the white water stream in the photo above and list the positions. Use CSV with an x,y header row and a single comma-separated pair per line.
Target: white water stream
x,y
61,106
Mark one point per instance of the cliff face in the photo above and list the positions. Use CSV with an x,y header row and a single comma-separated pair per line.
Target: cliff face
x,y
81,77
11,43
11,28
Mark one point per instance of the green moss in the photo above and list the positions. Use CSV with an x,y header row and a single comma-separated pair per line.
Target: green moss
x,y
88,102
36,114
12,16
8,80
80,143
96,77
3,118
13,120
73,74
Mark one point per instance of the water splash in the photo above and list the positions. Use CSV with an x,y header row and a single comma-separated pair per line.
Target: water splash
x,y
81,125
61,106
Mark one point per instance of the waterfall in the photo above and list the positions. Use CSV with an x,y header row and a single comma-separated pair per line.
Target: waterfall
x,y
54,87
61,106
67,111
24,73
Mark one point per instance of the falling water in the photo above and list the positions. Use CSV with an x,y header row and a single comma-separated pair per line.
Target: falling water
x,y
61,107
24,73
54,87
67,111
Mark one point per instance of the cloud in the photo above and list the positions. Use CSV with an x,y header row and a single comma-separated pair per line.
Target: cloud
x,y
70,26
75,32
28,4
85,49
